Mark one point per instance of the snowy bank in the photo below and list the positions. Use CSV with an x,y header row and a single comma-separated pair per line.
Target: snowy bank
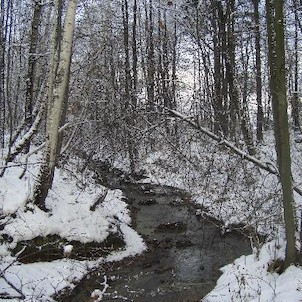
x,y
71,218
253,278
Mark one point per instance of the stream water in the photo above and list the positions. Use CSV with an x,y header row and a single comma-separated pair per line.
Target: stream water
x,y
184,253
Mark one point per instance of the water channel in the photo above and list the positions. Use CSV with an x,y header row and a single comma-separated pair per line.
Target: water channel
x,y
184,253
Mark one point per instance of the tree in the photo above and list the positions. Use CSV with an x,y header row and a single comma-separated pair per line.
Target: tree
x,y
295,97
260,116
219,48
58,81
150,56
2,68
129,95
22,85
32,59
238,109
276,58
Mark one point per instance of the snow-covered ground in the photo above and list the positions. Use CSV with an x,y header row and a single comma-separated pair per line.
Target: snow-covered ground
x,y
252,278
70,218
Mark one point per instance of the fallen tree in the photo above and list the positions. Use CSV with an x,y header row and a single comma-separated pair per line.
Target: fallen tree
x,y
267,166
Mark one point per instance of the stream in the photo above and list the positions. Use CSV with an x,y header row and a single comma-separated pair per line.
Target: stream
x,y
184,252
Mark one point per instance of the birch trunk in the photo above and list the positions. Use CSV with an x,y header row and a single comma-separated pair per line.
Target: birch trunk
x,y
59,81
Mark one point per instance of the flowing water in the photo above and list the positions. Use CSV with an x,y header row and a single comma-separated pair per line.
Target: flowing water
x,y
184,253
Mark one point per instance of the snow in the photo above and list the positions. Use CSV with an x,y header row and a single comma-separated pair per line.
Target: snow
x,y
133,243
67,249
69,217
38,281
249,279
98,294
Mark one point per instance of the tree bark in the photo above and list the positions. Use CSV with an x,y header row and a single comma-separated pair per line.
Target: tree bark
x,y
34,36
59,80
276,56
295,97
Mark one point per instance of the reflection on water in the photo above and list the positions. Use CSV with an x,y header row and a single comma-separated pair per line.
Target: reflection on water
x,y
189,264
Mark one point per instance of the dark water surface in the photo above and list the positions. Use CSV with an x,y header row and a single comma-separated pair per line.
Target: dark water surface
x,y
184,253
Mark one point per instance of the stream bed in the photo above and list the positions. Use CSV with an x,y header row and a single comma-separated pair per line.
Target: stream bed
x,y
183,258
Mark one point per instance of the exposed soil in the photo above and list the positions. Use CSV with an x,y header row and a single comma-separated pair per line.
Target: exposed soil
x,y
45,249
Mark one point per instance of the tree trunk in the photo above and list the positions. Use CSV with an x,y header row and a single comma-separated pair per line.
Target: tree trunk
x,y
260,116
295,97
134,56
219,103
2,75
150,59
59,80
244,116
9,117
276,56
238,111
128,96
34,36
